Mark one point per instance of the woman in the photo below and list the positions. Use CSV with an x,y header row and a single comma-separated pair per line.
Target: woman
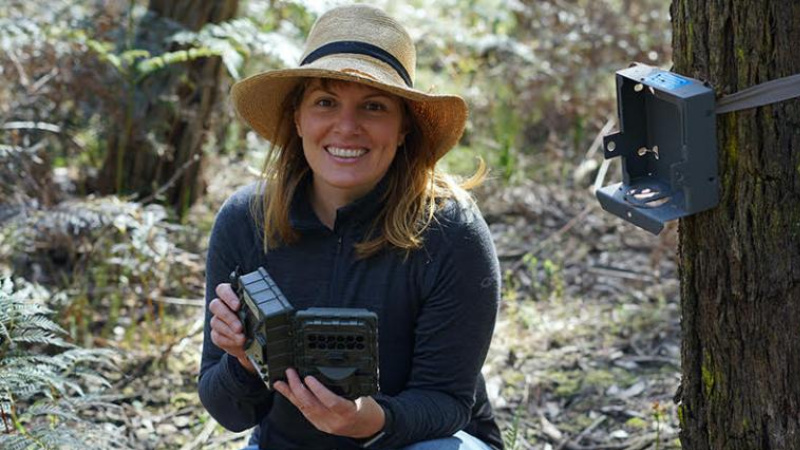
x,y
352,213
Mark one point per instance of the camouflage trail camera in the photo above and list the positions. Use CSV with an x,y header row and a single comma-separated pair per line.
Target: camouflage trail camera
x,y
338,346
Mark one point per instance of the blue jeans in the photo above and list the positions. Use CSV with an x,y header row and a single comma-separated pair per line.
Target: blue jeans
x,y
458,441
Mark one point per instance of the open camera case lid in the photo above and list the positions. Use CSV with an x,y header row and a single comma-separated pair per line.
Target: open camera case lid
x,y
667,142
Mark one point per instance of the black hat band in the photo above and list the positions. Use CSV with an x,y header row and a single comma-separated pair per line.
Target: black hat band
x,y
359,48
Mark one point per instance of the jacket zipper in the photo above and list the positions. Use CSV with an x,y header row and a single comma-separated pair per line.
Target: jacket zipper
x,y
335,273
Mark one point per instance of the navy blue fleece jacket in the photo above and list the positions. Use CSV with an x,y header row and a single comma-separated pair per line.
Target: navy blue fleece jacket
x,y
436,311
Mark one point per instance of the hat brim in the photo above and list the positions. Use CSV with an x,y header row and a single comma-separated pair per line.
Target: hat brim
x,y
259,100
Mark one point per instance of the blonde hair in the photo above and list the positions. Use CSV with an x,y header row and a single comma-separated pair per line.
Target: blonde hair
x,y
415,188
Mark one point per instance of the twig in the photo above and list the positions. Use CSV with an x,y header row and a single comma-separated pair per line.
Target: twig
x,y
567,226
550,430
44,80
202,437
653,359
621,273
181,301
41,126
23,77
174,413
549,239
577,440
172,180
3,415
641,442
601,175
218,442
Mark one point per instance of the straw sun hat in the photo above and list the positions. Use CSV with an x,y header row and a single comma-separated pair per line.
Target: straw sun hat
x,y
357,43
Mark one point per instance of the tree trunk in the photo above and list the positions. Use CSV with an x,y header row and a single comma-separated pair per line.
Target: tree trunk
x,y
740,262
170,114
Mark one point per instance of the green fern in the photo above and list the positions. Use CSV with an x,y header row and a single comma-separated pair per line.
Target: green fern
x,y
511,437
46,383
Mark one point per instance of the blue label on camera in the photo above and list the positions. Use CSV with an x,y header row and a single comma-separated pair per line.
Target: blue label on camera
x,y
667,81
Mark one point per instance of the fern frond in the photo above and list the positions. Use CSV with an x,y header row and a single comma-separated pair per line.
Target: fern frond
x,y
105,357
43,388
12,385
5,334
97,401
147,66
16,441
16,362
42,322
37,336
50,409
61,439
92,378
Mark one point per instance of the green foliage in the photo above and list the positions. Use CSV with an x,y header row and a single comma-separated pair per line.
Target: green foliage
x,y
47,384
135,65
511,435
242,39
547,281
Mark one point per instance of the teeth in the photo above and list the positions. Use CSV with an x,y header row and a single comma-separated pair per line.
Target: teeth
x,y
346,152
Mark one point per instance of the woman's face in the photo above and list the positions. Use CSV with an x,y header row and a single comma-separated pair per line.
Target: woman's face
x,y
350,135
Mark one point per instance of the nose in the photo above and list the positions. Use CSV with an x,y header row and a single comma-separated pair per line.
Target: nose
x,y
347,121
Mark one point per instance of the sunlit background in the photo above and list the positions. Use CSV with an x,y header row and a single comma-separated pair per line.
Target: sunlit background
x,y
118,144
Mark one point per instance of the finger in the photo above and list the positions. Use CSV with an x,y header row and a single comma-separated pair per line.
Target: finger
x,y
226,294
305,399
327,398
231,346
223,313
284,390
227,323
223,330
220,327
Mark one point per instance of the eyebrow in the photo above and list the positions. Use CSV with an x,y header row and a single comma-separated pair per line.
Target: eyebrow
x,y
376,93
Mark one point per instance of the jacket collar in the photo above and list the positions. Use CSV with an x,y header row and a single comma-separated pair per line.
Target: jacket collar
x,y
303,218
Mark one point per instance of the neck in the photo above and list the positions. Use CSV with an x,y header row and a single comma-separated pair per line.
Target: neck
x,y
326,201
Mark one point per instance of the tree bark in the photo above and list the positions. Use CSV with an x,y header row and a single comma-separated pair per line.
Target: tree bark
x,y
171,112
740,262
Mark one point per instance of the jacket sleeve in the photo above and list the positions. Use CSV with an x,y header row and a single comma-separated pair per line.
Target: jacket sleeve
x,y
234,397
452,334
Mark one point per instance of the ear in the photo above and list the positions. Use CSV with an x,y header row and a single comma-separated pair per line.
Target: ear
x,y
297,123
405,126
401,138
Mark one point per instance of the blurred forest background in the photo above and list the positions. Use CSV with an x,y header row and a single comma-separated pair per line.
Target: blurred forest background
x,y
118,144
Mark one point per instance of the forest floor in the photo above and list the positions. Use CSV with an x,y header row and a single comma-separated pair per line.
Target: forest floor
x,y
586,352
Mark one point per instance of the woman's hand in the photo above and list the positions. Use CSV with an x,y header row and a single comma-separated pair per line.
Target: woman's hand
x,y
227,331
329,412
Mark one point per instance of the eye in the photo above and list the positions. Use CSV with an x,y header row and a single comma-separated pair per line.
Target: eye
x,y
374,106
325,102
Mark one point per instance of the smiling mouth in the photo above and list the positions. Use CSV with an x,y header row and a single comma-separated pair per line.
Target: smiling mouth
x,y
346,152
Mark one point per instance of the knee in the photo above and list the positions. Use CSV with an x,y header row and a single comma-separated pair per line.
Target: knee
x,y
450,443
